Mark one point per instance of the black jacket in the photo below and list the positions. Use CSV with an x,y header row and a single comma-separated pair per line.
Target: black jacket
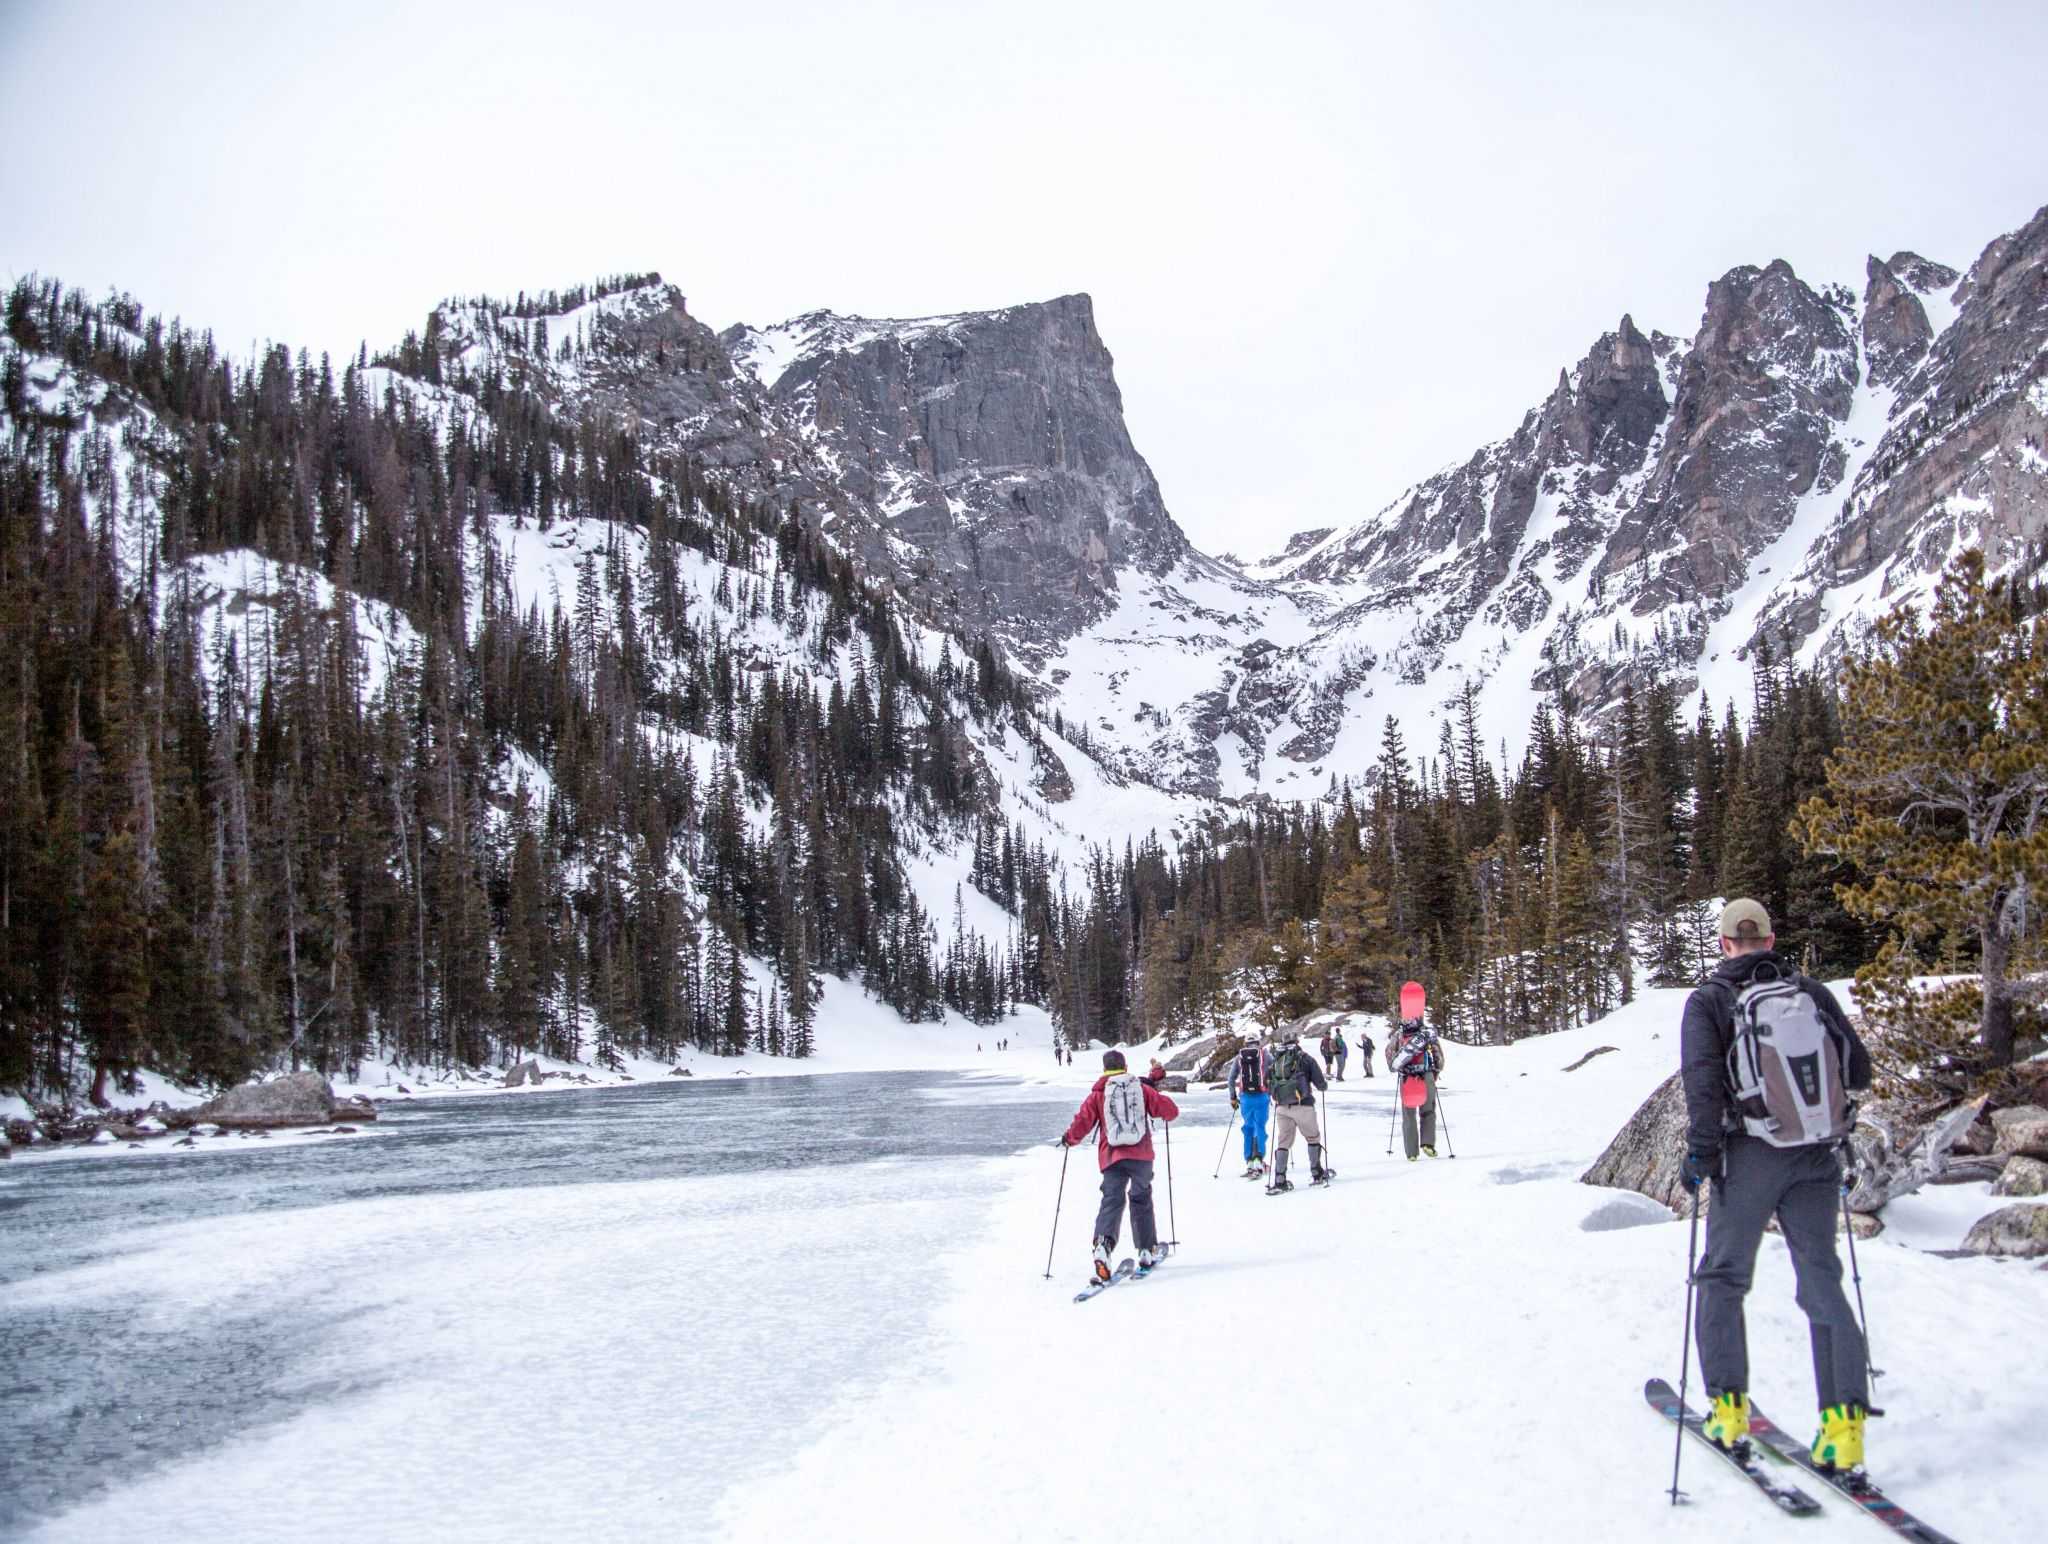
x,y
1709,1029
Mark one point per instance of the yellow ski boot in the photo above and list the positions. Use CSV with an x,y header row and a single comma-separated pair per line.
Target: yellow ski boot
x,y
1840,1443
1727,1424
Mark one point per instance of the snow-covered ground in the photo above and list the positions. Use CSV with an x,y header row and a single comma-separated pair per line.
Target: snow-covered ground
x,y
1452,1349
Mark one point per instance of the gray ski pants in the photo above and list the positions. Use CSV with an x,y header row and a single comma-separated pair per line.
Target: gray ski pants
x,y
1136,1175
1409,1143
1802,1186
1290,1118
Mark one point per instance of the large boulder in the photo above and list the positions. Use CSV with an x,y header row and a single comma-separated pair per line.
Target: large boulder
x,y
2023,1130
2022,1176
2019,1230
1646,1155
526,1072
296,1099
1216,1068
1195,1054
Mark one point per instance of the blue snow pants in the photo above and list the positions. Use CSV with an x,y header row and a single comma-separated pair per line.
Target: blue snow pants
x,y
1253,1108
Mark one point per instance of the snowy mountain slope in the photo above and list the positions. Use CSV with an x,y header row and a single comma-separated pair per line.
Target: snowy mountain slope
x,y
1470,1339
1672,504
1802,459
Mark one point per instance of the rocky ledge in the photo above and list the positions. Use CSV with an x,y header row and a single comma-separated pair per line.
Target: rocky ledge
x,y
298,1099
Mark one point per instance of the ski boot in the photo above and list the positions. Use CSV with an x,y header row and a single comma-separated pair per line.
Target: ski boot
x,y
1316,1171
1099,1260
1727,1424
1150,1258
1839,1444
1281,1184
1428,1151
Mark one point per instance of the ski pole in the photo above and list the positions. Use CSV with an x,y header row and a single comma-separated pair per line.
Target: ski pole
x,y
1685,1349
1393,1115
1227,1128
1437,1098
1066,1152
1172,1223
1873,1371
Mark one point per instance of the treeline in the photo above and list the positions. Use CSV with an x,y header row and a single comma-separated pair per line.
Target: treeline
x,y
1524,899
217,858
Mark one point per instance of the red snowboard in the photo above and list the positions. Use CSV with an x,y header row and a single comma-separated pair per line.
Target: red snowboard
x,y
1414,1093
1412,1001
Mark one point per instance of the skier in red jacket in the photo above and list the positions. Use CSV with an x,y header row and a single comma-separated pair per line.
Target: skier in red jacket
x,y
1120,1109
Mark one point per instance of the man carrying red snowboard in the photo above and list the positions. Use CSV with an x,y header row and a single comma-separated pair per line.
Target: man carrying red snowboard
x,y
1416,1056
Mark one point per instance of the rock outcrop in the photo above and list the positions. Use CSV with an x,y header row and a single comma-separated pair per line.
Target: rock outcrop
x,y
1646,1154
993,443
296,1099
2021,1176
2018,1230
2022,1130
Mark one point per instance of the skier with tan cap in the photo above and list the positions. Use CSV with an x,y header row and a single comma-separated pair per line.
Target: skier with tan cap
x,y
1768,1062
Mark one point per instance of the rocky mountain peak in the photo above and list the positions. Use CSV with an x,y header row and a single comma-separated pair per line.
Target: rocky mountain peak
x,y
1921,274
1770,373
991,443
1896,331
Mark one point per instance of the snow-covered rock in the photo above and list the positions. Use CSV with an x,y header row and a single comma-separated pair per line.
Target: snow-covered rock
x,y
2021,1176
2020,1230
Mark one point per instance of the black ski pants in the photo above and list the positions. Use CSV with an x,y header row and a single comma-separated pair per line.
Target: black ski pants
x,y
1134,1174
1801,1187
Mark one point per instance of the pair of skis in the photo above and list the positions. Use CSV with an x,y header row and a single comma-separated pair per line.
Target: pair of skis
x,y
1126,1270
1783,1445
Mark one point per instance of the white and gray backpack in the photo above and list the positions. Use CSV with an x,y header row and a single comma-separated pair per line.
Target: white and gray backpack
x,y
1123,1112
1788,1065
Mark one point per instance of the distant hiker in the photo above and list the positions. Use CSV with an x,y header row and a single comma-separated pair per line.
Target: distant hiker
x,y
1156,1073
1365,1052
1294,1077
1415,1056
1769,1060
1343,1055
1119,1109
1249,1095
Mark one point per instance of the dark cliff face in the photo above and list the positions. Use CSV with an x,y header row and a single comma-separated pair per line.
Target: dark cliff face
x,y
1770,374
1896,330
994,444
1965,457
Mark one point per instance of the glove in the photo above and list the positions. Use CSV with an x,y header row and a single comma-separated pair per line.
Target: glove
x,y
1697,1169
1060,1141
1233,1101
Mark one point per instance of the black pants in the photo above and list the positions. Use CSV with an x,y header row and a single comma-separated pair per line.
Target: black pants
x,y
1802,1187
1136,1175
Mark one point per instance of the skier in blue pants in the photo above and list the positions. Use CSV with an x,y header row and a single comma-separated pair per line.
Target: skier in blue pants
x,y
1250,1098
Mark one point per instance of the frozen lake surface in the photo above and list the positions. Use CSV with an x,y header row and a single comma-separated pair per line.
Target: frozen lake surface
x,y
493,1318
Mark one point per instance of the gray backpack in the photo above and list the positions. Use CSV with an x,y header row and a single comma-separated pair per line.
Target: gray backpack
x,y
1788,1066
1123,1112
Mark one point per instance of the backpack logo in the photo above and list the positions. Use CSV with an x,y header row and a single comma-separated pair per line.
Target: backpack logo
x,y
1123,1112
1788,1066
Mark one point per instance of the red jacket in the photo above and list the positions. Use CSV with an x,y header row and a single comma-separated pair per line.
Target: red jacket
x,y
1090,1115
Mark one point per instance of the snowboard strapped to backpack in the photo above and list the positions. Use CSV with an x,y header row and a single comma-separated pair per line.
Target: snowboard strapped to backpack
x,y
1788,1066
1123,1112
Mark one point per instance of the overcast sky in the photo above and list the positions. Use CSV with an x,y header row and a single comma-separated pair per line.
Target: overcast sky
x,y
1332,246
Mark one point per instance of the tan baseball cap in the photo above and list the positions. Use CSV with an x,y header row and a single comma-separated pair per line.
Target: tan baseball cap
x,y
1745,919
